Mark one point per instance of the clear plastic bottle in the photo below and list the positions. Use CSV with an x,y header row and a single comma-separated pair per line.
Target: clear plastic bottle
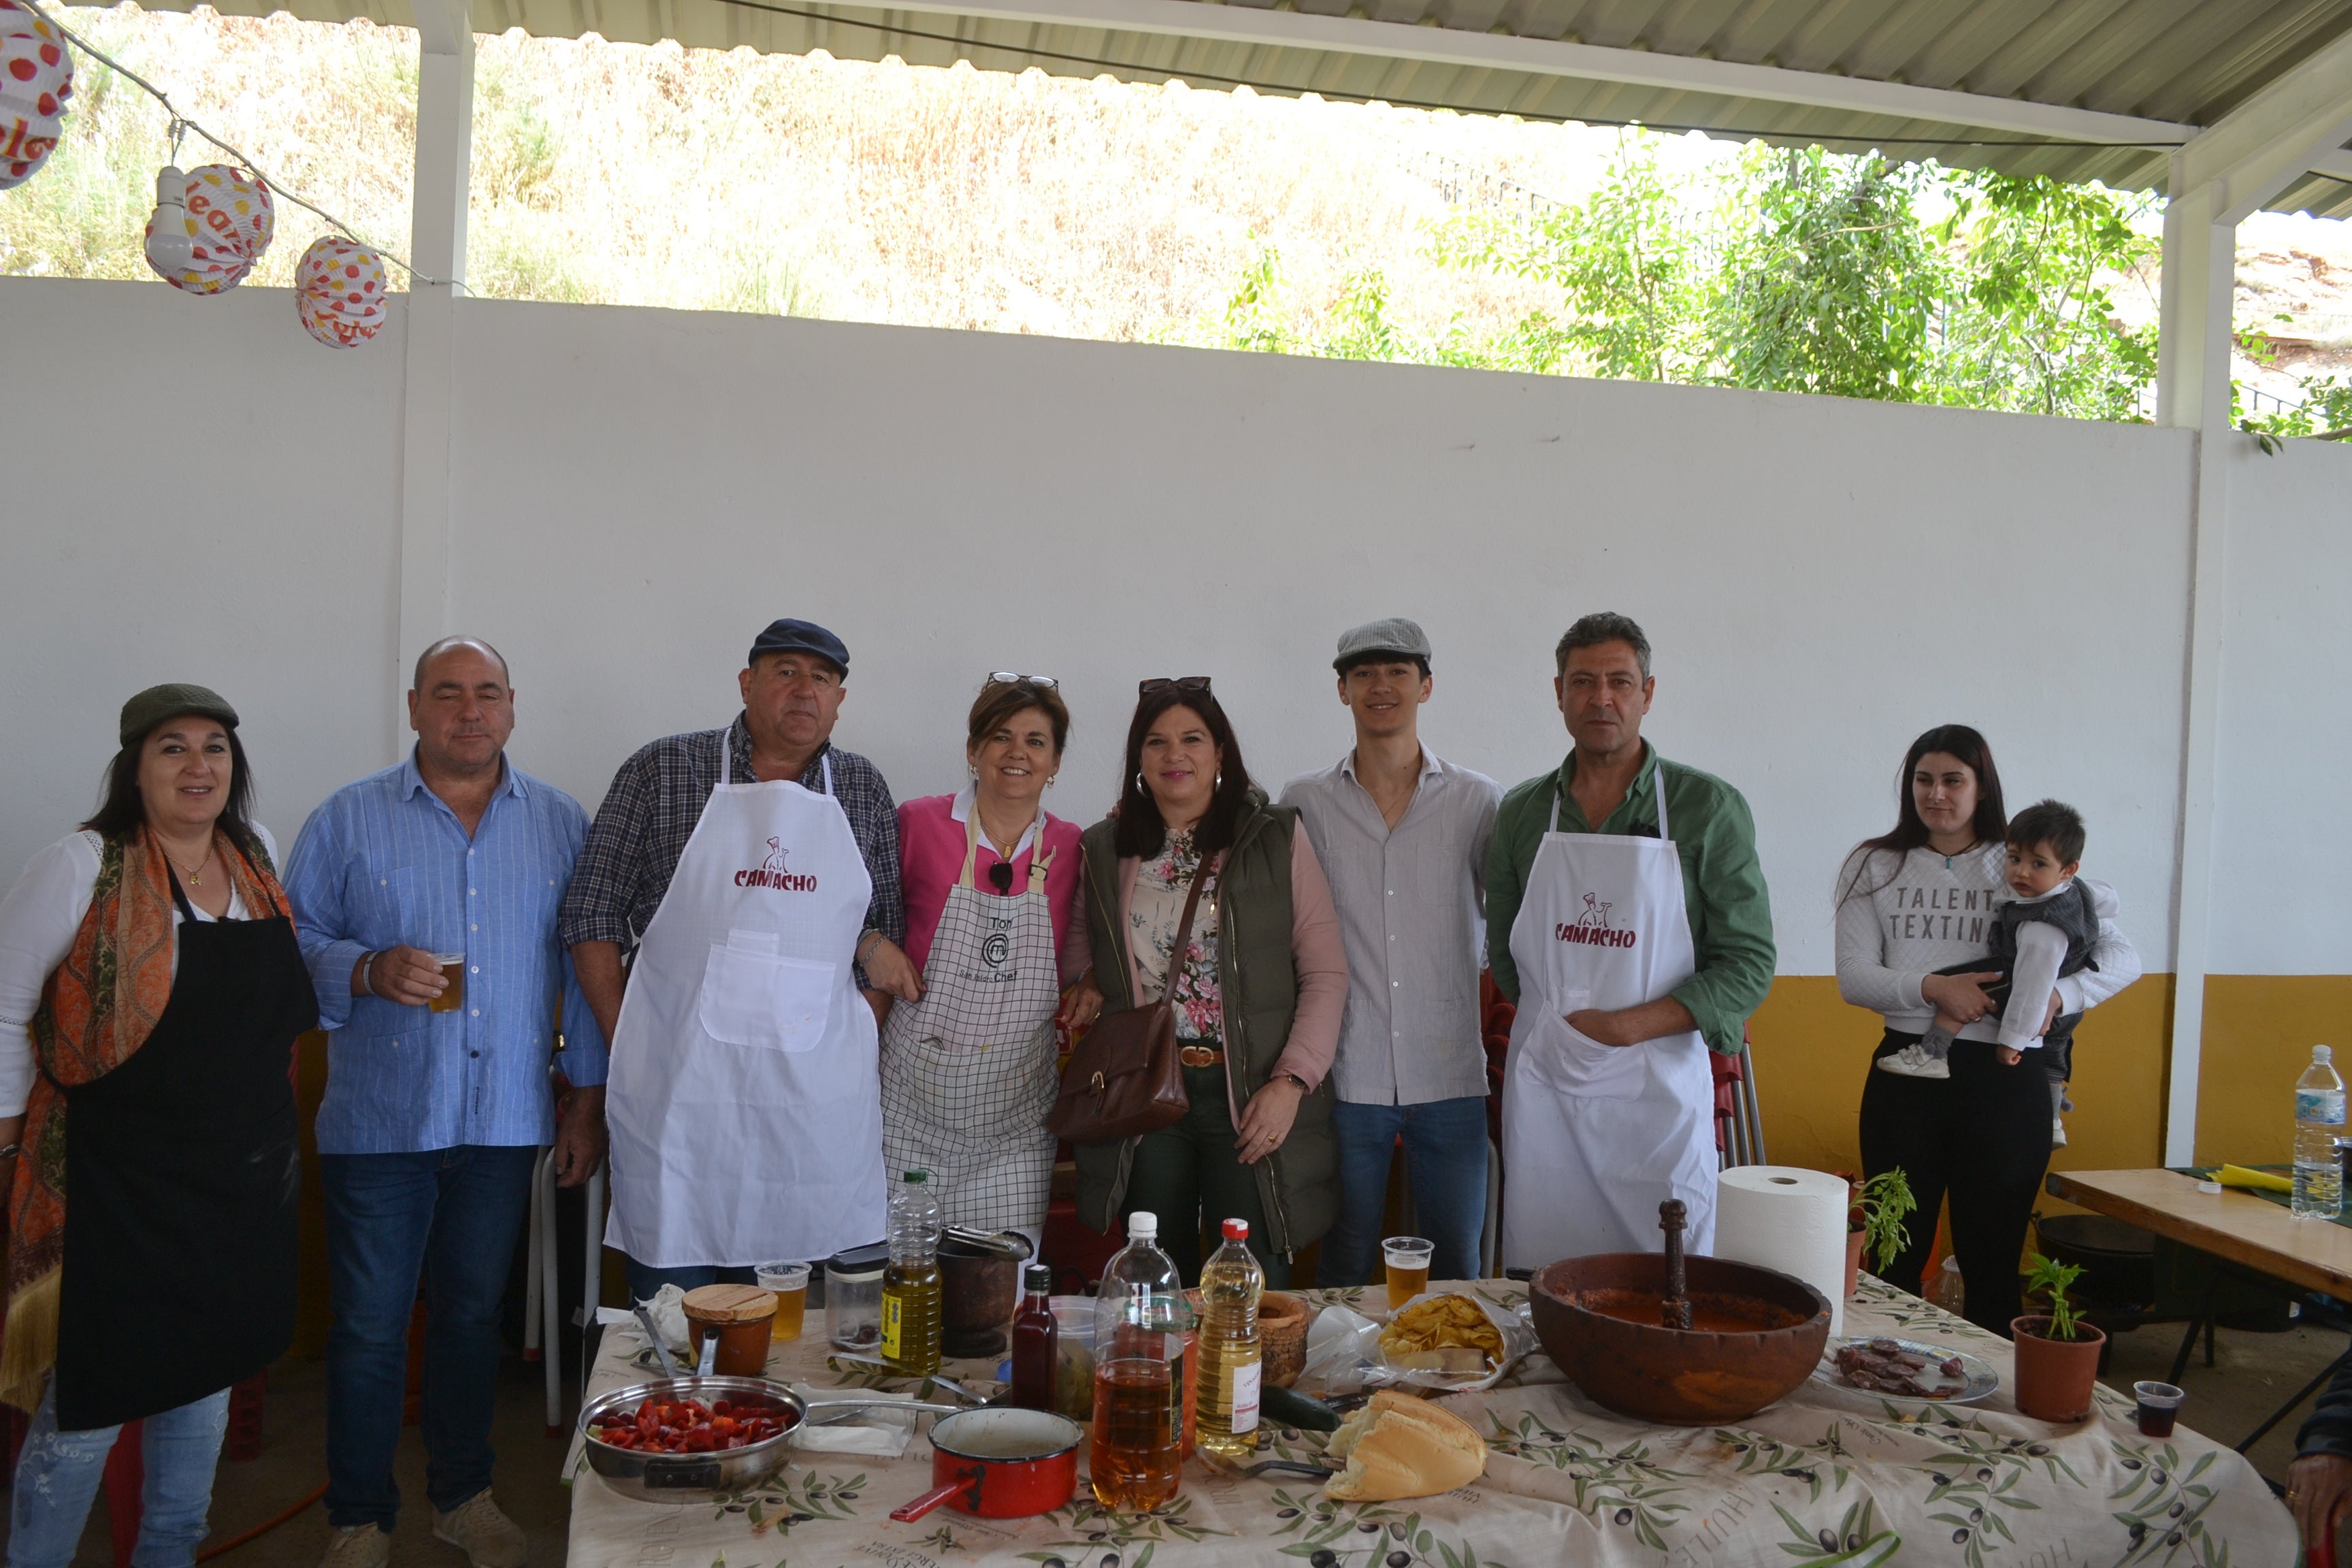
x,y
1950,1291
2318,1123
1141,1323
1231,1282
912,1297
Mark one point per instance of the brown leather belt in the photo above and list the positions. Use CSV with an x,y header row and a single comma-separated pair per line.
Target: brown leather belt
x,y
1200,1056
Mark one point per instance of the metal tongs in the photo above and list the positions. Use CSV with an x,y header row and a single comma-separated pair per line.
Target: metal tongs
x,y
661,1350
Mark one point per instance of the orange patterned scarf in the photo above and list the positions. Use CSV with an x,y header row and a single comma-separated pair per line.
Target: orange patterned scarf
x,y
97,1009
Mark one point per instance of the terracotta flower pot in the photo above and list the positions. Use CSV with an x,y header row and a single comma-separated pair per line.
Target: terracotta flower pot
x,y
1853,1260
2054,1377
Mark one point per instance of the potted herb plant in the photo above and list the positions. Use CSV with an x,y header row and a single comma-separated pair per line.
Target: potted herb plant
x,y
1880,1206
2057,1353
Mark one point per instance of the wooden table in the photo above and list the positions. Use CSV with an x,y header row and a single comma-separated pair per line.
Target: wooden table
x,y
2240,1226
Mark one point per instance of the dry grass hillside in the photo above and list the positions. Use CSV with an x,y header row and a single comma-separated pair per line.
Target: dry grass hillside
x,y
621,174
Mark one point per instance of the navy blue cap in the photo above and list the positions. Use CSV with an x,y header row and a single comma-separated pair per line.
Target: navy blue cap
x,y
800,636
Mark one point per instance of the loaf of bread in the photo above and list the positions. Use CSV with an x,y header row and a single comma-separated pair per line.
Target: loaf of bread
x,y
1400,1447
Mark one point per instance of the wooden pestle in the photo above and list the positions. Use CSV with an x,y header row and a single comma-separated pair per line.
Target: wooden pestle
x,y
1676,1309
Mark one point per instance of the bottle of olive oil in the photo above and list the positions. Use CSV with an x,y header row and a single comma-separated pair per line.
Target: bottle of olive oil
x,y
911,1290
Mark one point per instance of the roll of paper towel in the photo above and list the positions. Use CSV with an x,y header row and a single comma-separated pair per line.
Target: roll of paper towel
x,y
1787,1218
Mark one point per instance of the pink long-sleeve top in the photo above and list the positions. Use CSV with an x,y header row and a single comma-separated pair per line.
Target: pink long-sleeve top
x,y
1315,948
931,858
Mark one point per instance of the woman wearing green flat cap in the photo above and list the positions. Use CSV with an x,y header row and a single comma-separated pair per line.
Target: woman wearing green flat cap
x,y
151,993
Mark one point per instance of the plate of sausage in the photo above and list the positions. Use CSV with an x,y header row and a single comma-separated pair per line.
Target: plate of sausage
x,y
1907,1372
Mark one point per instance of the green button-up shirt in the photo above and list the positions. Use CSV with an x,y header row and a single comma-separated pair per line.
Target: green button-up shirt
x,y
1723,885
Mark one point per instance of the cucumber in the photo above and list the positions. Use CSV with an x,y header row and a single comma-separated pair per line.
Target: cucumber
x,y
1286,1407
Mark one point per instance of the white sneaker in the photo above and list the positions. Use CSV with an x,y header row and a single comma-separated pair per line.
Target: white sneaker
x,y
357,1546
2057,1132
487,1537
1913,1061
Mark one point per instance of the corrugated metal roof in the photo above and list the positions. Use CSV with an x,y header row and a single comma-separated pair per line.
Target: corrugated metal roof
x,y
2184,61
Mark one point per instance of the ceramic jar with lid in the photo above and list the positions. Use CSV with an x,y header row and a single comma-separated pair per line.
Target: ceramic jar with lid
x,y
741,1316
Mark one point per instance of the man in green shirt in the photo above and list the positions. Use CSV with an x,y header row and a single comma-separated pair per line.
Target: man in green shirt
x,y
1630,951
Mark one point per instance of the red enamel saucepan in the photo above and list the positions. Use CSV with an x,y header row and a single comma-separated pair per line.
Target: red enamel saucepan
x,y
1000,1463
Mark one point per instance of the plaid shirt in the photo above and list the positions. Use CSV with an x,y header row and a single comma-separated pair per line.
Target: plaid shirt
x,y
657,796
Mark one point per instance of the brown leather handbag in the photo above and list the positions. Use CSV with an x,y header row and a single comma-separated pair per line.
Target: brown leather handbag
x,y
1125,1079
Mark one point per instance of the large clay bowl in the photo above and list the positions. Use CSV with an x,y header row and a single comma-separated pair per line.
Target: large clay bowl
x,y
1655,1374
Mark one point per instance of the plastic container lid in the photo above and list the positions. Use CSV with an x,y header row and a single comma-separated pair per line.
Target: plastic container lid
x,y
1236,1230
1143,1226
858,1263
2322,1054
914,1178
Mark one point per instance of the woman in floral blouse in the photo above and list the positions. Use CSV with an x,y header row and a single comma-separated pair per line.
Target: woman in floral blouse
x,y
1258,990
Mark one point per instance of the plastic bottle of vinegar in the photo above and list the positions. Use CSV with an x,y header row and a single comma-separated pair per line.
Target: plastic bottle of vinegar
x,y
1141,1374
912,1295
1231,1282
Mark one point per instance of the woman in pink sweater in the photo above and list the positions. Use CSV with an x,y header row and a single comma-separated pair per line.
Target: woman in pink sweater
x,y
994,925
1258,989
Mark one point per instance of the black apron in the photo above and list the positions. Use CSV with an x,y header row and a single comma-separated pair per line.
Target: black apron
x,y
182,1170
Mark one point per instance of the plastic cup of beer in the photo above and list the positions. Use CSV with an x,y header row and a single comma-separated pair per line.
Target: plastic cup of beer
x,y
1407,1258
790,1283
453,970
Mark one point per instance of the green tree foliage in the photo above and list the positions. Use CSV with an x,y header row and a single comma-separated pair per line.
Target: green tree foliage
x,y
1794,271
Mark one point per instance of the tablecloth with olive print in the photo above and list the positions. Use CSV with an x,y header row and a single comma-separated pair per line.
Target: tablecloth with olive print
x,y
1827,1476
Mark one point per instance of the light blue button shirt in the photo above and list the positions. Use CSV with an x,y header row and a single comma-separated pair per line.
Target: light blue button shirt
x,y
385,862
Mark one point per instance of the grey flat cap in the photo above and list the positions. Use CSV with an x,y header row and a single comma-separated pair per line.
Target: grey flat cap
x,y
1394,635
157,703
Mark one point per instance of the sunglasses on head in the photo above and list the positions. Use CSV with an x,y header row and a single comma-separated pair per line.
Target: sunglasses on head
x,y
999,876
1012,677
1181,683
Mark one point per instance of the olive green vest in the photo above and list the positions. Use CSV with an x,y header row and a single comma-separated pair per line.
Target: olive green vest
x,y
1297,1184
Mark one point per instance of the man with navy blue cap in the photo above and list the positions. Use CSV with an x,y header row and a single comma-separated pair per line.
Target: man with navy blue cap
x,y
735,921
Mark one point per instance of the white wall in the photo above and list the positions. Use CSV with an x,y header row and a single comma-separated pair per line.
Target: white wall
x,y
638,491
2282,842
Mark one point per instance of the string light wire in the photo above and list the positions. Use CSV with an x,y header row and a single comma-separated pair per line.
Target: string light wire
x,y
182,125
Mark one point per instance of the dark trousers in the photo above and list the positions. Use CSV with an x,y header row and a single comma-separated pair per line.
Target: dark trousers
x,y
1189,1172
1445,1155
1980,1137
452,1217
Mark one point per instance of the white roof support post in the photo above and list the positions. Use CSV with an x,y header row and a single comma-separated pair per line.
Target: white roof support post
x,y
444,147
2217,179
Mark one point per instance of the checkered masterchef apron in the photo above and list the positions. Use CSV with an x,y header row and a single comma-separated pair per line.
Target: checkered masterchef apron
x,y
967,1072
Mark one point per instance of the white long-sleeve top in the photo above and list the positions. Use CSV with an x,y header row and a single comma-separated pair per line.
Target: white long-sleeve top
x,y
1901,920
38,922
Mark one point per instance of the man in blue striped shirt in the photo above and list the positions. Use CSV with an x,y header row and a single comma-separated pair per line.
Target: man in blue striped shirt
x,y
438,1094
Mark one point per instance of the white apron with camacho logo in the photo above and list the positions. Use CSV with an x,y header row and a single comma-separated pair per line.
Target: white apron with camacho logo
x,y
967,1072
744,1104
1596,1137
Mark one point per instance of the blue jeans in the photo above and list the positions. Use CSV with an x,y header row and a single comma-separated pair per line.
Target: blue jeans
x,y
58,1474
1446,1154
646,1282
451,1216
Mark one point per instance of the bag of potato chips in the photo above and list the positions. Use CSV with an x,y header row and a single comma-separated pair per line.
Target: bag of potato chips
x,y
1451,1342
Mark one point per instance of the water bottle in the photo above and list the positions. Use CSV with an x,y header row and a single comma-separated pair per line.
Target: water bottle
x,y
1141,1326
1231,1282
2318,1123
913,1295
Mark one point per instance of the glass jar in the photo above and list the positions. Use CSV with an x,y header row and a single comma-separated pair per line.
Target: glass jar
x,y
852,1299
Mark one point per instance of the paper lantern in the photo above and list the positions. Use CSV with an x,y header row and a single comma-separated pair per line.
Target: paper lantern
x,y
338,289
231,220
36,85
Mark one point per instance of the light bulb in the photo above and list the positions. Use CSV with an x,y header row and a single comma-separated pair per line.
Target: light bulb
x,y
170,247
